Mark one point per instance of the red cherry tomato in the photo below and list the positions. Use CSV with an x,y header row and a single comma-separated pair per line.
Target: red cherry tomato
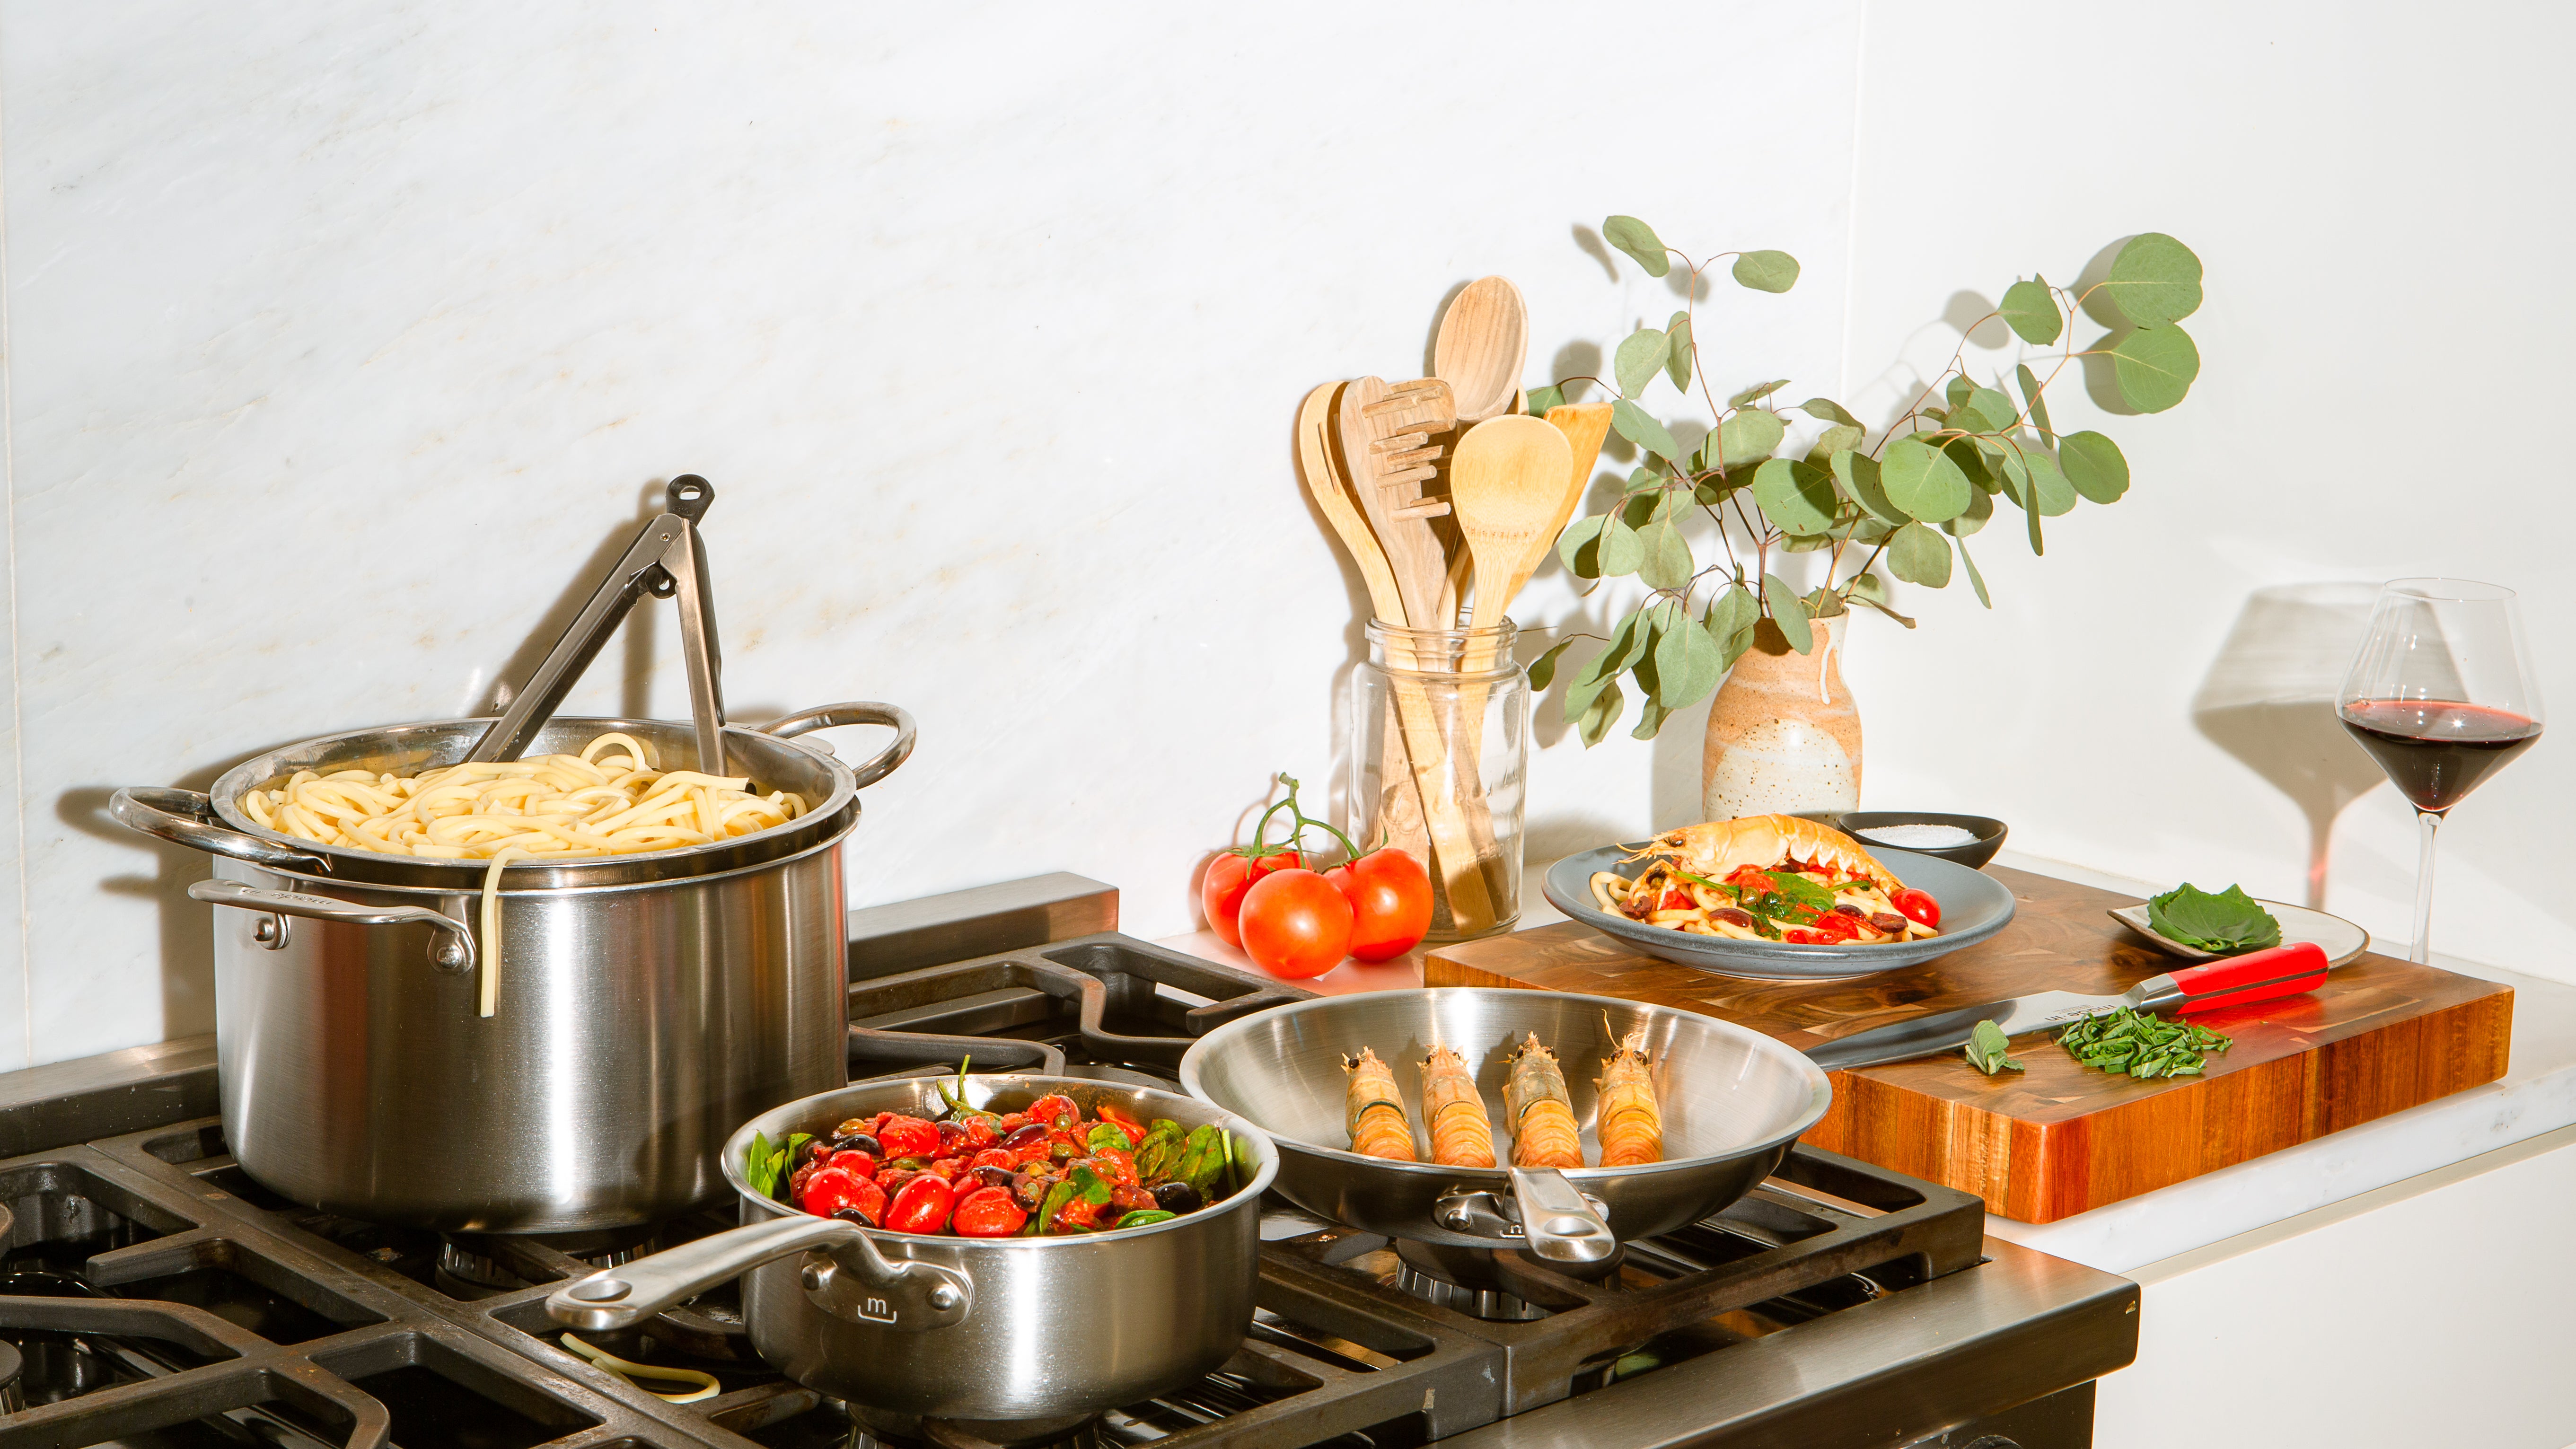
x,y
857,1163
1917,905
987,1212
1390,898
831,1189
1295,924
981,1133
908,1137
1054,1109
1222,889
922,1206
1003,1158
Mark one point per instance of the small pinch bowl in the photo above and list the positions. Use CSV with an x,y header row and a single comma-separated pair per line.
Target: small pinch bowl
x,y
1974,855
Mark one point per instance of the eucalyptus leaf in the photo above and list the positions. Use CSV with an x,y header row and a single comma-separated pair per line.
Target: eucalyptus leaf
x,y
1968,456
1677,356
1998,409
1805,542
1578,547
1599,713
1797,496
1766,271
1868,588
1976,580
1639,358
1858,473
1828,410
1668,557
2094,466
1840,438
1919,555
1923,481
1687,666
1891,613
1981,507
2154,367
1638,240
1749,436
1730,620
2030,517
2055,494
1543,398
1621,551
2030,396
2154,281
1789,612
1639,427
2030,309
1542,670
1959,389
1757,392
1650,720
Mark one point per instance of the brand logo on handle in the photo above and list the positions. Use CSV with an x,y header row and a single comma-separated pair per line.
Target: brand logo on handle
x,y
877,1310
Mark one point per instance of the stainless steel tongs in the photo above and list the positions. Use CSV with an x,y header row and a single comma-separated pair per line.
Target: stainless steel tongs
x,y
666,558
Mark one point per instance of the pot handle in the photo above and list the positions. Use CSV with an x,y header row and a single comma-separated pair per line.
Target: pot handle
x,y
1547,1212
825,716
185,817
453,953
844,1275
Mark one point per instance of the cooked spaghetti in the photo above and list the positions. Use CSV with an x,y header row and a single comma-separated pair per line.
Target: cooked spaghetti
x,y
611,799
1764,878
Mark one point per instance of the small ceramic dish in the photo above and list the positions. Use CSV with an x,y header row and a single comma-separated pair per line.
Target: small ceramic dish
x,y
1974,906
2340,939
1973,855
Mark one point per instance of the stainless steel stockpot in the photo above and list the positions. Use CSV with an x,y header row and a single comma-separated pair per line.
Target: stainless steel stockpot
x,y
1733,1101
646,1005
1010,1338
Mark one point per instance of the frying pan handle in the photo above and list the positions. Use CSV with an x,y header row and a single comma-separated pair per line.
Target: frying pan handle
x,y
185,817
1546,1213
844,1274
825,716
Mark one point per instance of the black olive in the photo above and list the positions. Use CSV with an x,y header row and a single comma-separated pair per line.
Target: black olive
x,y
1023,1136
1848,909
855,1215
1178,1197
1030,1190
994,1176
1731,916
1889,924
951,1132
859,1142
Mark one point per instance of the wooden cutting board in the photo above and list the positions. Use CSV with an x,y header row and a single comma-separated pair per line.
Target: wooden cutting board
x,y
2381,1036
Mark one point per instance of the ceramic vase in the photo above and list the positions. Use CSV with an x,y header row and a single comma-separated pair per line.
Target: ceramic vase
x,y
1783,733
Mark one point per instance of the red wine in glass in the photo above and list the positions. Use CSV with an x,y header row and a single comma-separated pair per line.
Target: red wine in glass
x,y
2434,750
2442,695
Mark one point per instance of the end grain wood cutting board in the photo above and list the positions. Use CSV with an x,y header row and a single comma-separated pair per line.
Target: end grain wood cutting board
x,y
2381,1036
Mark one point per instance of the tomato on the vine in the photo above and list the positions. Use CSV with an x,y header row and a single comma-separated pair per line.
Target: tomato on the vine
x,y
1917,905
1295,924
1390,896
1228,877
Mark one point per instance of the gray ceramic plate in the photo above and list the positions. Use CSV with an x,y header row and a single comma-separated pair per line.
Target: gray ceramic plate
x,y
1974,905
2340,939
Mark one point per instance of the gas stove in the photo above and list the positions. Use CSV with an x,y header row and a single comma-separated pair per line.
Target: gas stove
x,y
154,1295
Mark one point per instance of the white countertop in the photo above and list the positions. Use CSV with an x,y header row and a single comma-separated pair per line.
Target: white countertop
x,y
2537,1095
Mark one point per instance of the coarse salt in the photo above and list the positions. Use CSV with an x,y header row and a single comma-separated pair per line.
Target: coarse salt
x,y
1920,837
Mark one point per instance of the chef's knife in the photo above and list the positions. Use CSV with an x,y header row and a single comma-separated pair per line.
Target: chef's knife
x,y
2255,976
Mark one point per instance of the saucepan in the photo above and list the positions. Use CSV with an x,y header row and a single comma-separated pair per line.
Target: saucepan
x,y
1733,1101
1008,1338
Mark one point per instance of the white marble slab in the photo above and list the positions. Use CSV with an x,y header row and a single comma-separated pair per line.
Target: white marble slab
x,y
340,338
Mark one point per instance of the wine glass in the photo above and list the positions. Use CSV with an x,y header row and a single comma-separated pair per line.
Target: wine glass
x,y
2442,695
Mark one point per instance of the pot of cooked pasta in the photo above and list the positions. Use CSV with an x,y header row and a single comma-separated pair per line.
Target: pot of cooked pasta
x,y
524,996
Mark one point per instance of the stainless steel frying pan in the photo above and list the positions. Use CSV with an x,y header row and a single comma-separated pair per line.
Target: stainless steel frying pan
x,y
1733,1101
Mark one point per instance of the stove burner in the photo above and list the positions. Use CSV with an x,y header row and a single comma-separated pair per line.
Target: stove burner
x,y
12,1366
1479,1281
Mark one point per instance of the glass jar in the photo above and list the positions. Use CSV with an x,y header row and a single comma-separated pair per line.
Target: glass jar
x,y
1439,755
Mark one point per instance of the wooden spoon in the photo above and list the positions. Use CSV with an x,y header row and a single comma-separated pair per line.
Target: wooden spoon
x,y
1584,426
1326,484
1483,343
1506,486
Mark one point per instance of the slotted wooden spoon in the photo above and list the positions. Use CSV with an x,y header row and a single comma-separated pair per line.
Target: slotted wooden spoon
x,y
1387,442
1482,346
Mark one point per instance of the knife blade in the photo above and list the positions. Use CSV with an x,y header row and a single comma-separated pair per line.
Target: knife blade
x,y
2255,976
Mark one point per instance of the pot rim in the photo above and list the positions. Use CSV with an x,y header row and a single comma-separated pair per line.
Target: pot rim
x,y
327,883
739,1143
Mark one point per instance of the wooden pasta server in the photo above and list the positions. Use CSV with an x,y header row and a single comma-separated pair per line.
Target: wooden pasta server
x,y
2255,976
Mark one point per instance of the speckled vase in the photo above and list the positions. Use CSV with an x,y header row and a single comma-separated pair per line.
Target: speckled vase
x,y
1783,733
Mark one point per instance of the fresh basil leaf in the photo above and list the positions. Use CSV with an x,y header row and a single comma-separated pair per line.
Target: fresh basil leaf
x,y
2226,922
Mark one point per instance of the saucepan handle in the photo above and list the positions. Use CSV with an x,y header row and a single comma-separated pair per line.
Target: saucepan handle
x,y
453,951
1546,1213
844,1274
185,817
826,716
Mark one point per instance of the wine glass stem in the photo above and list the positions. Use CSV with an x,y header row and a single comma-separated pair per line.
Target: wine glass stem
x,y
2423,951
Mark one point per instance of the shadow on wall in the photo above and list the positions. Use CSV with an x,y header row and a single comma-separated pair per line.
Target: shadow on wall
x,y
2269,700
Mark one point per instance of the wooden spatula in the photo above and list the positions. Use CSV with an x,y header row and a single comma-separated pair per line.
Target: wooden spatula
x,y
1584,426
1483,343
1387,437
1506,484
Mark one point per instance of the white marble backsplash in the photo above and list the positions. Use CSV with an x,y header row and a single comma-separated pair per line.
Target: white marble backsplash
x,y
341,339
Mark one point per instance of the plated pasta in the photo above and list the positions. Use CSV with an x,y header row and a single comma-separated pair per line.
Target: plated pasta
x,y
1769,878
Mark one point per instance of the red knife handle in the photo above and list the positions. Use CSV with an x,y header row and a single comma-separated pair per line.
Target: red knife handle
x,y
2254,976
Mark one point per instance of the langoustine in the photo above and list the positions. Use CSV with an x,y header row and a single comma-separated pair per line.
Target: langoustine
x,y
1544,1132
1631,1120
1374,1109
1461,1134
